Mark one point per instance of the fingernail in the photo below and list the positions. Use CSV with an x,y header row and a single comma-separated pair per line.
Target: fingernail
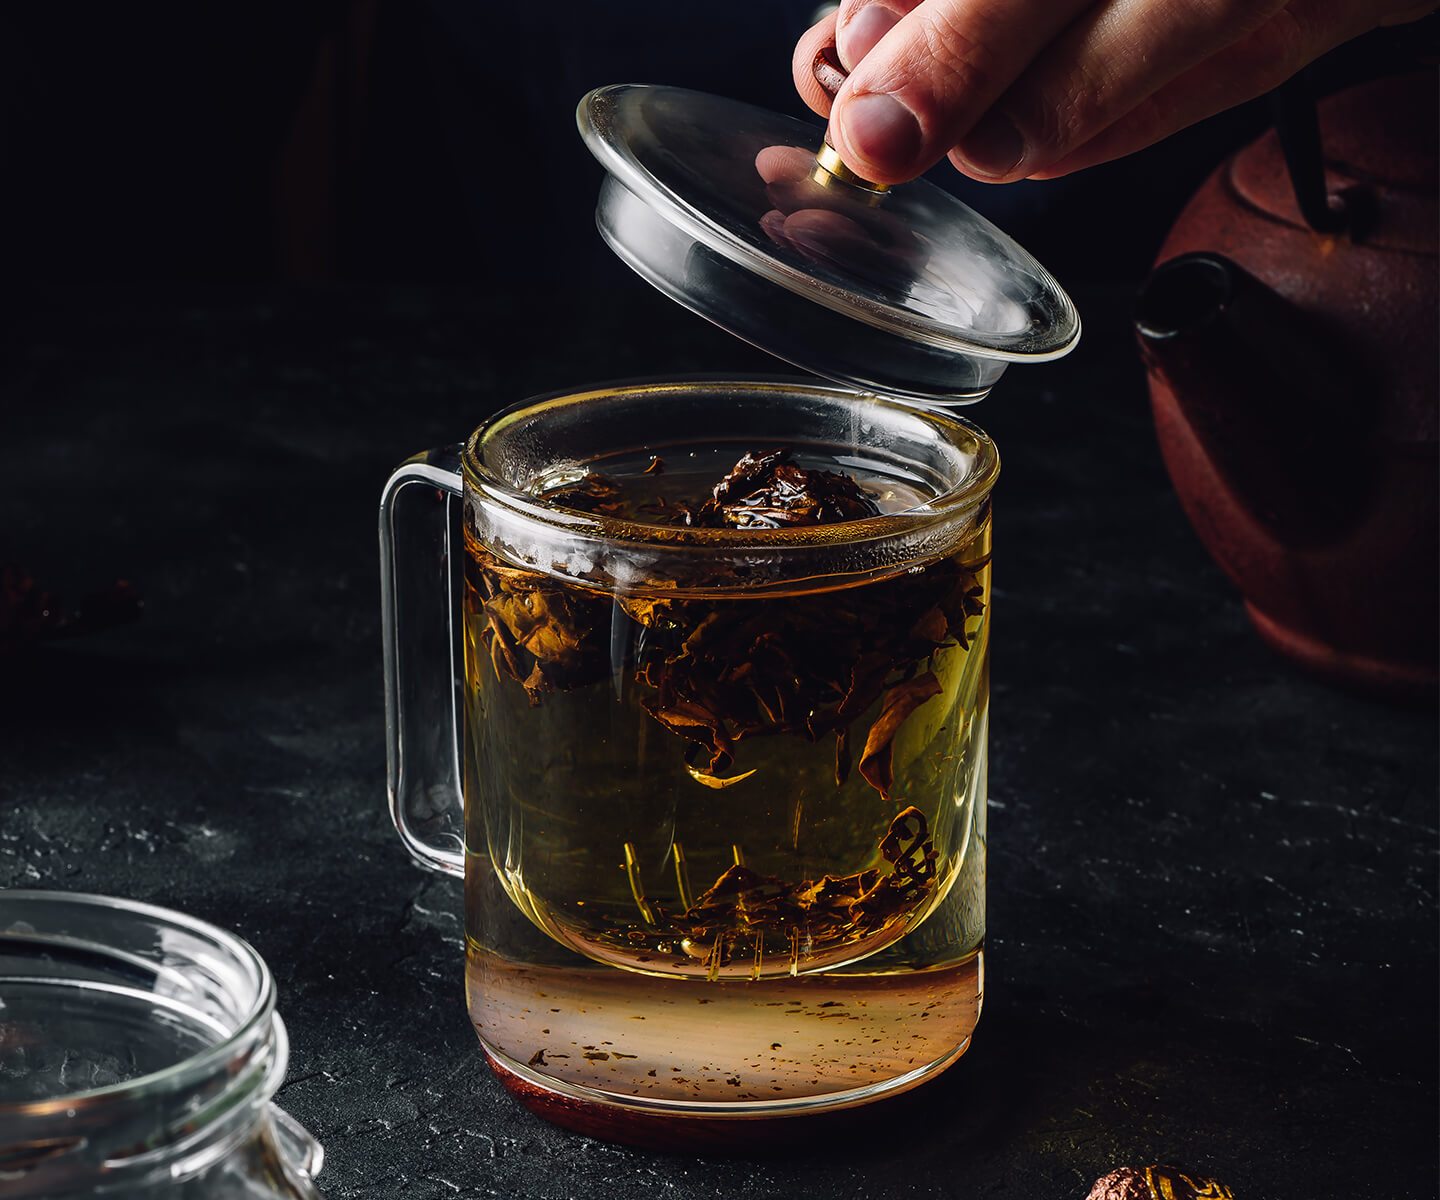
x,y
860,34
994,146
881,130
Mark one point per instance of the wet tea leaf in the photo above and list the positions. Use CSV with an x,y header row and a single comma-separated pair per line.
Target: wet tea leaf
x,y
877,759
718,672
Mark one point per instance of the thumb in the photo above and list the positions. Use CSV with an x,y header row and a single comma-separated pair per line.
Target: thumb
x,y
931,77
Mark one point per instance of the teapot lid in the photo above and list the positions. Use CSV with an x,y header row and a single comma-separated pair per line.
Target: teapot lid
x,y
728,209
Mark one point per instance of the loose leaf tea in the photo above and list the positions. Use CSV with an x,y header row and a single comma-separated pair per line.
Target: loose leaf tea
x,y
769,491
742,900
720,672
851,667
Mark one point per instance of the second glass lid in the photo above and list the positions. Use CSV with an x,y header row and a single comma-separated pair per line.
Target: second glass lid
x,y
903,291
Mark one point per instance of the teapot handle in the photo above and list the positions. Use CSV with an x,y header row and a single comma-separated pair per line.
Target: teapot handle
x,y
1297,125
421,571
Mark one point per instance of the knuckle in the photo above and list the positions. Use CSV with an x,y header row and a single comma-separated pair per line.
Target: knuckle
x,y
1084,105
953,48
1285,40
1066,112
942,72
1219,22
1238,16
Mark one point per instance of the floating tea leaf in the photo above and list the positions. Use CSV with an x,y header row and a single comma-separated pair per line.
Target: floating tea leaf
x,y
716,672
900,701
770,491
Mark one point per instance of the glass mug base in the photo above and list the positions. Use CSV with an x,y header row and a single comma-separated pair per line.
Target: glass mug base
x,y
722,1124
696,1070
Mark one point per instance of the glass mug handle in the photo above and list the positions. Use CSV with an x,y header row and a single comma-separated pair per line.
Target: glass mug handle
x,y
420,565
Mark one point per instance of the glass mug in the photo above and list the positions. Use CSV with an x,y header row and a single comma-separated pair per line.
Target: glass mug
x,y
718,794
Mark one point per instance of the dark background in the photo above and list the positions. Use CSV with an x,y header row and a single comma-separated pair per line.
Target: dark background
x,y
255,253
434,140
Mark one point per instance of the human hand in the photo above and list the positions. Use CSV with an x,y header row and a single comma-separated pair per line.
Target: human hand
x,y
1015,89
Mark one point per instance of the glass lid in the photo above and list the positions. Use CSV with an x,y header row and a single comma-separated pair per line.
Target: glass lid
x,y
902,291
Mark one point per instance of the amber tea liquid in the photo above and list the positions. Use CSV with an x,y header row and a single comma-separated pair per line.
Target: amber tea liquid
x,y
727,851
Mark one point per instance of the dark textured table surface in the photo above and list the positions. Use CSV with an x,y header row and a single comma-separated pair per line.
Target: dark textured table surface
x,y
1212,880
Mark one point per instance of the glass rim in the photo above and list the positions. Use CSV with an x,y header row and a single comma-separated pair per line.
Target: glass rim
x,y
213,1059
948,506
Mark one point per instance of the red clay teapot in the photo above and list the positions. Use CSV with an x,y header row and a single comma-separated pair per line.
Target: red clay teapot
x,y
1290,337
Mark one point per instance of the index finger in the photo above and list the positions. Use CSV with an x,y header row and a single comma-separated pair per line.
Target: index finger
x,y
802,65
